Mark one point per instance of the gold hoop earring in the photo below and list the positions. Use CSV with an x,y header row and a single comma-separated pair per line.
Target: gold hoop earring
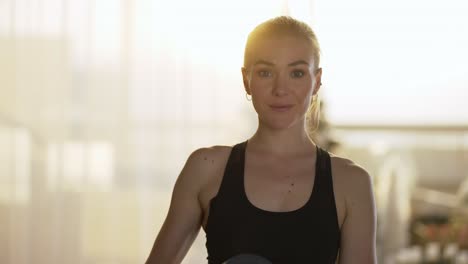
x,y
247,97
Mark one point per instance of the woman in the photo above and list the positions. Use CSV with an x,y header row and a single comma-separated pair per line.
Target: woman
x,y
277,197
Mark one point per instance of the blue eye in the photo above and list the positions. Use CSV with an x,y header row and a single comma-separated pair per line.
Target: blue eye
x,y
264,73
297,74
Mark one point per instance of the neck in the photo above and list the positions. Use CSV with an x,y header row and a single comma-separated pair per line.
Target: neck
x,y
282,142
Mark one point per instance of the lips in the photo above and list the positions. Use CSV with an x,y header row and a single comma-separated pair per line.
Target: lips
x,y
281,107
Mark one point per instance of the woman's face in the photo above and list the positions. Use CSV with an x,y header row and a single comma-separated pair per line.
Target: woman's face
x,y
282,80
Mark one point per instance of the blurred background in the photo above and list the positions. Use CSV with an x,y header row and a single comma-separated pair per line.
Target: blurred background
x,y
102,101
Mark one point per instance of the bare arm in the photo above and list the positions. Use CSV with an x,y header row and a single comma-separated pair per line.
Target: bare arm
x,y
359,228
184,218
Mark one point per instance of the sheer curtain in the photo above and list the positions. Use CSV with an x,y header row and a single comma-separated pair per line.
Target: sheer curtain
x,y
101,102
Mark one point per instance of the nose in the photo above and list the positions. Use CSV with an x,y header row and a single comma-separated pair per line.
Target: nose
x,y
280,85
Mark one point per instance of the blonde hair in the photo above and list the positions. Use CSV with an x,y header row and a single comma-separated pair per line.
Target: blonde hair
x,y
282,26
288,26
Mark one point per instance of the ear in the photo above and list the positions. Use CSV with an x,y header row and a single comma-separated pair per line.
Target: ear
x,y
318,81
245,79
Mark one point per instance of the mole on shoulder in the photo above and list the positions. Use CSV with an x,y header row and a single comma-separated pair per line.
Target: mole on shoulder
x,y
205,158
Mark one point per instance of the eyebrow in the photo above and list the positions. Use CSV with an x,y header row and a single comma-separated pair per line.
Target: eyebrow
x,y
298,63
264,62
272,64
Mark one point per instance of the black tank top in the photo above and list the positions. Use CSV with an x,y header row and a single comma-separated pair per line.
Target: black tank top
x,y
309,234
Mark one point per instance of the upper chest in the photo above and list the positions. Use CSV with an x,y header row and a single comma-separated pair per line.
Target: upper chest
x,y
278,184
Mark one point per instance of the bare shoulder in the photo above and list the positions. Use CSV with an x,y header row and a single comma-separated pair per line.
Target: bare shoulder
x,y
348,171
208,157
183,219
205,163
350,178
356,207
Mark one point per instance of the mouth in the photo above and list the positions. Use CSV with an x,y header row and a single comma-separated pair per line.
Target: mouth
x,y
281,108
